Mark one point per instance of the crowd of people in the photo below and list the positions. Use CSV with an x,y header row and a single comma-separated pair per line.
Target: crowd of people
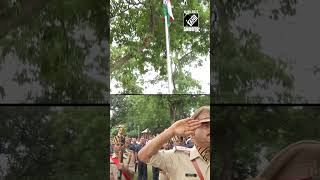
x,y
133,145
186,139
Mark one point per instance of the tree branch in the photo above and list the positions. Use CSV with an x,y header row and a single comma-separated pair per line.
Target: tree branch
x,y
65,36
117,64
187,54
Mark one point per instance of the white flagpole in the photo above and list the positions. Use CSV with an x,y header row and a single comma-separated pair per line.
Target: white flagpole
x,y
170,84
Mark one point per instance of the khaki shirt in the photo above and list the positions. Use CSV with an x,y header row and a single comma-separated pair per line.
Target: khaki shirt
x,y
114,169
178,163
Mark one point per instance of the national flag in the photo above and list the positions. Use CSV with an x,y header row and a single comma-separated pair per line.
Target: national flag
x,y
167,10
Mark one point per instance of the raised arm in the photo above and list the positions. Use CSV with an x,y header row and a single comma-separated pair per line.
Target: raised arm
x,y
184,127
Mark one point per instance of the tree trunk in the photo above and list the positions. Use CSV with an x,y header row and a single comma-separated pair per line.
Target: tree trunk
x,y
173,111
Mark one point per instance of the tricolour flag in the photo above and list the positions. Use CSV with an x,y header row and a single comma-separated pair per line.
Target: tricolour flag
x,y
167,10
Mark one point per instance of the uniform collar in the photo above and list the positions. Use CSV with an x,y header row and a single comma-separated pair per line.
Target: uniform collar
x,y
194,153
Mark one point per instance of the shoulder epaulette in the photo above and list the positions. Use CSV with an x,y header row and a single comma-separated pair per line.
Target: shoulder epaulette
x,y
182,149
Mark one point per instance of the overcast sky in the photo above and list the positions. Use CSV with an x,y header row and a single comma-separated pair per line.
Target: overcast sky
x,y
295,39
200,73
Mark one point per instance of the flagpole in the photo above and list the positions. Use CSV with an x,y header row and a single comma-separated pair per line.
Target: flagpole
x,y
170,84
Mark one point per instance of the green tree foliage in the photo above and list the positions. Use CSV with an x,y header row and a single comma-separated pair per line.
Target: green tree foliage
x,y
119,109
25,141
153,112
243,133
54,143
239,66
64,41
138,43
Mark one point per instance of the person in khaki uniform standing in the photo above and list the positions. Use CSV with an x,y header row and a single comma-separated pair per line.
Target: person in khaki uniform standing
x,y
180,162
127,166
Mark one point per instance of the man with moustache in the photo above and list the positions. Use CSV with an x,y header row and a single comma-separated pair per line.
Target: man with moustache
x,y
180,162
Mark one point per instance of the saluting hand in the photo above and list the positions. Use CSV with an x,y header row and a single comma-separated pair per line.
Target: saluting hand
x,y
185,127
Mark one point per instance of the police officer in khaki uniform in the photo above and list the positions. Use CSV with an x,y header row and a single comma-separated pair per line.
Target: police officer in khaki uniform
x,y
127,166
180,162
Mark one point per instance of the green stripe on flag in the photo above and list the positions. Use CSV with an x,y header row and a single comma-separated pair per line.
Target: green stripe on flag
x,y
167,12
